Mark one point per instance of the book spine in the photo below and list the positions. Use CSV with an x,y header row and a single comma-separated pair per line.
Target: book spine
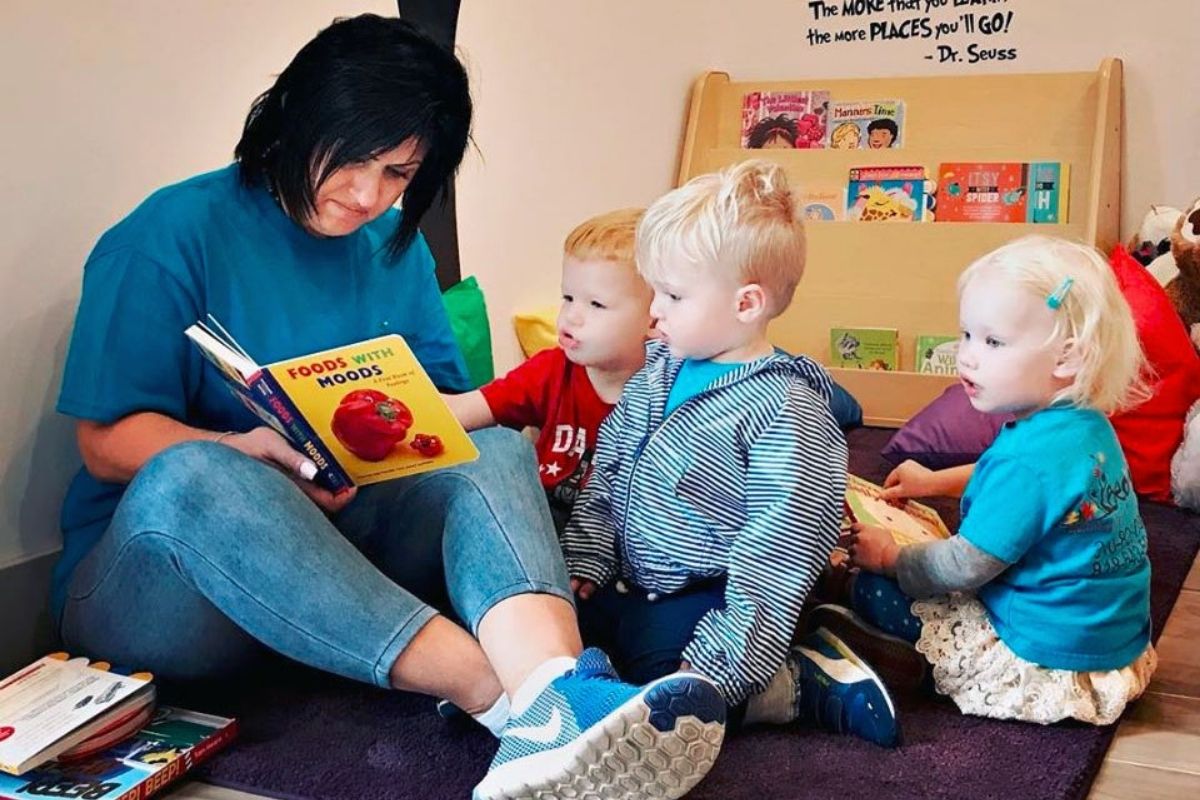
x,y
268,393
182,765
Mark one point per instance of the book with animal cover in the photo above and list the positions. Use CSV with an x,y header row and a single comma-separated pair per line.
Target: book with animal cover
x,y
936,355
793,120
908,523
58,703
886,194
362,413
1049,184
172,743
982,192
867,124
864,348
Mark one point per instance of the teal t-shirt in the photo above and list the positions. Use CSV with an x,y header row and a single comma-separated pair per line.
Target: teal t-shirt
x,y
210,245
1053,497
691,379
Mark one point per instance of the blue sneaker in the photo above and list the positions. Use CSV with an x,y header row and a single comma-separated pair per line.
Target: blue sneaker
x,y
588,732
838,691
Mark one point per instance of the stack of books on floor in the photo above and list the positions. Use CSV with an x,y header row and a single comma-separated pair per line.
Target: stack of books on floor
x,y
70,728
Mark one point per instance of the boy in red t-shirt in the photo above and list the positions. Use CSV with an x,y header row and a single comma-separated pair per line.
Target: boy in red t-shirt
x,y
567,391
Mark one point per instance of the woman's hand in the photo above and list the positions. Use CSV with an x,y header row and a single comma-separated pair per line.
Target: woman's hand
x,y
266,445
583,587
872,548
910,479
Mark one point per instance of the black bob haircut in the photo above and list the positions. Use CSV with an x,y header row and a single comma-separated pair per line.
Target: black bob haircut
x,y
884,124
361,87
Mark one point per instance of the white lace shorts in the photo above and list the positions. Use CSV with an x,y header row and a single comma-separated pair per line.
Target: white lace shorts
x,y
978,671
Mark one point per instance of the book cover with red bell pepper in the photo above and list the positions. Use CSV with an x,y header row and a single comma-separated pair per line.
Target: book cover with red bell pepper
x,y
362,413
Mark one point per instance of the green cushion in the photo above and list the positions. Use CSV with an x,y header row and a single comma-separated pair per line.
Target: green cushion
x,y
469,320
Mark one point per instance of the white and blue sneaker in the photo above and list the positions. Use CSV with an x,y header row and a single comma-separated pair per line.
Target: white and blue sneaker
x,y
588,732
838,691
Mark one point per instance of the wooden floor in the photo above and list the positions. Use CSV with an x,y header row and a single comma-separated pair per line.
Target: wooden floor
x,y
1156,754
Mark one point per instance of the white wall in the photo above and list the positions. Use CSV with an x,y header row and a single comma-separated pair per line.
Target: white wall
x,y
102,102
580,104
580,107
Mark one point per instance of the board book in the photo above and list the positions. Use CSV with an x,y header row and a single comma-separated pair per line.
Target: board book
x,y
171,744
909,523
58,703
363,413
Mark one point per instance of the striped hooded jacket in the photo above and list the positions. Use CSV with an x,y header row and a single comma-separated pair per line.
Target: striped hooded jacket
x,y
744,481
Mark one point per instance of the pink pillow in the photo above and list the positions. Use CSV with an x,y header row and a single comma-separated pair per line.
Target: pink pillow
x,y
946,433
1151,432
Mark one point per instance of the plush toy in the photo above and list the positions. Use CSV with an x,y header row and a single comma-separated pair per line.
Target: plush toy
x,y
1185,464
1184,290
1153,239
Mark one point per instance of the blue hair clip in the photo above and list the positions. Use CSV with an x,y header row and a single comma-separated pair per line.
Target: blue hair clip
x,y
1056,298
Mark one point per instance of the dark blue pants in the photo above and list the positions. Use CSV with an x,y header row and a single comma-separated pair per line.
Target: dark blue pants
x,y
645,637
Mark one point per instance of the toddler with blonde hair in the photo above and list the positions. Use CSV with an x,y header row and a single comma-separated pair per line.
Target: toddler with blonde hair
x,y
716,491
1039,609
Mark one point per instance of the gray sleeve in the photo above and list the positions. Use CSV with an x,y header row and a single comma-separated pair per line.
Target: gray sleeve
x,y
953,565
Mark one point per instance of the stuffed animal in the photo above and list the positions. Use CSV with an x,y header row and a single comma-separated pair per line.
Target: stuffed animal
x,y
1184,290
1153,238
1185,464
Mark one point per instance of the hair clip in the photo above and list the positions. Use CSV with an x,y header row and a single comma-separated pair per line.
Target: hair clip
x,y
1056,298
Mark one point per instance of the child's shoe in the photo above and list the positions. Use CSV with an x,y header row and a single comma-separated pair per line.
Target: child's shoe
x,y
902,668
589,732
838,691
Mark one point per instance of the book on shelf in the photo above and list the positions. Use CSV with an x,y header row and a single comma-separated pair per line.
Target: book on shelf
x,y
1049,184
867,124
362,413
58,703
170,744
822,203
909,522
1003,191
792,120
864,348
936,355
887,194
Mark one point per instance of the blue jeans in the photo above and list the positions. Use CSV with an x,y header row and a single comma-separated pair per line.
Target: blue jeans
x,y
213,557
645,637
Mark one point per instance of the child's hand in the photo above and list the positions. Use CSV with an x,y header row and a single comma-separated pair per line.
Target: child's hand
x,y
583,587
910,479
872,548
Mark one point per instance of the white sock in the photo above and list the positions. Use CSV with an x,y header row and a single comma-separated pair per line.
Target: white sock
x,y
537,681
495,717
776,704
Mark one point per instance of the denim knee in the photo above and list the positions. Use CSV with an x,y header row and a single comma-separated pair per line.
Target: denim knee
x,y
191,482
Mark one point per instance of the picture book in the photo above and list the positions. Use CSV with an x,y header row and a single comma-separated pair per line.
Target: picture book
x,y
864,348
936,355
886,194
1049,185
794,120
984,192
908,523
170,744
362,413
822,203
868,124
59,702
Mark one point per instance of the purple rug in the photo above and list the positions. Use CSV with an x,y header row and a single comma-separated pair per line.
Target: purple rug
x,y
306,735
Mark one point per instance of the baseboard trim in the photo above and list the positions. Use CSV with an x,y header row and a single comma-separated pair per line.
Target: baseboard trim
x,y
27,634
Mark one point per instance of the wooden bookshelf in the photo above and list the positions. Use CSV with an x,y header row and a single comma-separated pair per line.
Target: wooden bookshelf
x,y
902,275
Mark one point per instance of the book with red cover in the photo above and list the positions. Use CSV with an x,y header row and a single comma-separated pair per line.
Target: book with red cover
x,y
982,192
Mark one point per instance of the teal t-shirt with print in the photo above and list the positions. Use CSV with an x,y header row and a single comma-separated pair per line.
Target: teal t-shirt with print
x,y
691,379
1052,496
210,245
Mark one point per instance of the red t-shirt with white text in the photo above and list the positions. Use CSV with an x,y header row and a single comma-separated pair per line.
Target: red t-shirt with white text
x,y
552,393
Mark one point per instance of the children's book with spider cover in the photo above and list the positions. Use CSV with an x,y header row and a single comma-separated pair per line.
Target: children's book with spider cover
x,y
909,523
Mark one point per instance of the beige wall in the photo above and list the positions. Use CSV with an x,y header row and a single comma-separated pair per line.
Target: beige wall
x,y
102,103
580,105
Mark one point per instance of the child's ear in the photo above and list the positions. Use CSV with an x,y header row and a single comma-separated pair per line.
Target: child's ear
x,y
751,302
1070,361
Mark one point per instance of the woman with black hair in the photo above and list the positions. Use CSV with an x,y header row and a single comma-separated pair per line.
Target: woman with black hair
x,y
193,537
